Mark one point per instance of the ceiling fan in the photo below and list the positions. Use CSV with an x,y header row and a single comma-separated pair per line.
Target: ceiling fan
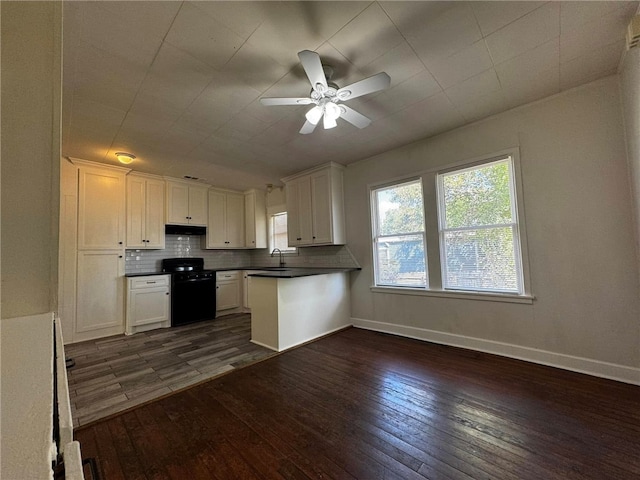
x,y
326,95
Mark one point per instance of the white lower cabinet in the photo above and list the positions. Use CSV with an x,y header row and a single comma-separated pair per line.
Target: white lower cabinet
x,y
148,303
228,291
246,288
245,291
100,294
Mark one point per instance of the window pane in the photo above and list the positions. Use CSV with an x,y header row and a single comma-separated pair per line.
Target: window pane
x,y
481,259
479,196
401,261
278,232
400,209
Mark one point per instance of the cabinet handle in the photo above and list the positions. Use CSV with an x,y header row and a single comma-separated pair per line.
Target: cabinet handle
x,y
298,238
151,282
119,256
119,243
314,238
167,293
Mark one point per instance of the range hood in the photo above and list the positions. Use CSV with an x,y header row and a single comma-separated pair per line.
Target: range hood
x,y
184,230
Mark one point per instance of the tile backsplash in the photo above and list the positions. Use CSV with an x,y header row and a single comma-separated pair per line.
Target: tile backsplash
x,y
139,261
142,261
327,256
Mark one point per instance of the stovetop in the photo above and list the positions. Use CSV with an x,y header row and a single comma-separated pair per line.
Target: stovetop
x,y
189,264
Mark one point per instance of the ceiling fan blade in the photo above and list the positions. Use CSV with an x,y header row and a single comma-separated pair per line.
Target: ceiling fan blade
x,y
375,83
353,117
285,101
308,127
313,68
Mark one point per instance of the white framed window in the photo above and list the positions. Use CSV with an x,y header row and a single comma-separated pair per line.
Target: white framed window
x,y
278,233
399,235
456,231
478,229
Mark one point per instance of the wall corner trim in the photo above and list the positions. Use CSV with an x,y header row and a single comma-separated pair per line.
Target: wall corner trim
x,y
621,373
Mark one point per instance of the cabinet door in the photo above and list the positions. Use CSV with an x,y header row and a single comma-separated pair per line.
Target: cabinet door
x,y
136,202
245,289
321,207
101,212
198,206
154,214
255,215
148,305
177,203
234,220
227,295
305,213
293,222
100,305
216,235
249,224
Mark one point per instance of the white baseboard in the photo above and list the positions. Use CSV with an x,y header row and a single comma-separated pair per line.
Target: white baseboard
x,y
596,368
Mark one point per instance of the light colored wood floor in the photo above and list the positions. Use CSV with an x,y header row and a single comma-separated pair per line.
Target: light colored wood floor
x,y
116,373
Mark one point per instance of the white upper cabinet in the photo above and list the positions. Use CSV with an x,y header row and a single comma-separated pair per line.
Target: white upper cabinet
x,y
145,211
255,219
315,206
101,206
186,203
225,228
198,205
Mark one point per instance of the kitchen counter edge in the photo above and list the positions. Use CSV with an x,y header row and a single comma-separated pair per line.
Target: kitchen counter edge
x,y
289,272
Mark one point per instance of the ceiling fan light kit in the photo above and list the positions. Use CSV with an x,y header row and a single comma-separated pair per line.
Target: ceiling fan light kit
x,y
326,95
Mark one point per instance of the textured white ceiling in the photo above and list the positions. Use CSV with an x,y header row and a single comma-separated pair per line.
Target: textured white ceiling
x,y
178,83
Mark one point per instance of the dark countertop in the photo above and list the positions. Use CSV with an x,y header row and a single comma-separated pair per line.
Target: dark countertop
x,y
272,272
146,274
294,272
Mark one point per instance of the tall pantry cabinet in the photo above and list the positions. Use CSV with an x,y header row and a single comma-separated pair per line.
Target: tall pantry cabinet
x,y
99,245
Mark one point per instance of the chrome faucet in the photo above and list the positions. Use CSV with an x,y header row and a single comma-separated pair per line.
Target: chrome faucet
x,y
280,252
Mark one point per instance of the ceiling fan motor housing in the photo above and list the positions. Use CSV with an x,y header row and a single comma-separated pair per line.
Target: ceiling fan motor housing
x,y
325,95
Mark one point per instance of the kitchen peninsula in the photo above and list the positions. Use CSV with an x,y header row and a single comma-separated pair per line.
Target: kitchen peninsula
x,y
291,306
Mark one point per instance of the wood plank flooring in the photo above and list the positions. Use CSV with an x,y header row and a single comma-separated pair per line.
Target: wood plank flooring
x,y
365,405
117,373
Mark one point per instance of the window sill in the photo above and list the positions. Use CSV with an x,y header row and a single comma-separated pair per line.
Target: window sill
x,y
491,297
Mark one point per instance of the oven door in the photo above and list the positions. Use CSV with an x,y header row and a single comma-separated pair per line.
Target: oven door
x,y
193,300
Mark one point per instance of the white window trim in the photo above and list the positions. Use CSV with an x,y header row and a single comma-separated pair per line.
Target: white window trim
x,y
375,239
442,230
455,294
432,241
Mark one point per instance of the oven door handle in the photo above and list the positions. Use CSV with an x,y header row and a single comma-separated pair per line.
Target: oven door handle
x,y
191,280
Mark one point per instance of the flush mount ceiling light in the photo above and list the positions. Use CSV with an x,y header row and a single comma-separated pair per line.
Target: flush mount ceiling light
x,y
326,95
125,158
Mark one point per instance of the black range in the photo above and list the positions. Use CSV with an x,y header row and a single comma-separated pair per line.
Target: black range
x,y
193,290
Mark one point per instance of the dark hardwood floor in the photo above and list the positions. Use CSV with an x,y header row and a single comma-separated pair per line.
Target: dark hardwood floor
x,y
365,405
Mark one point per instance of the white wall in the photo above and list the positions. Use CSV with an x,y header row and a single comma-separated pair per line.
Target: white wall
x,y
580,234
31,100
629,81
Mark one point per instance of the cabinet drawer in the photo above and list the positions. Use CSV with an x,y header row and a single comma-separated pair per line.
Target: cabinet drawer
x,y
149,282
227,276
